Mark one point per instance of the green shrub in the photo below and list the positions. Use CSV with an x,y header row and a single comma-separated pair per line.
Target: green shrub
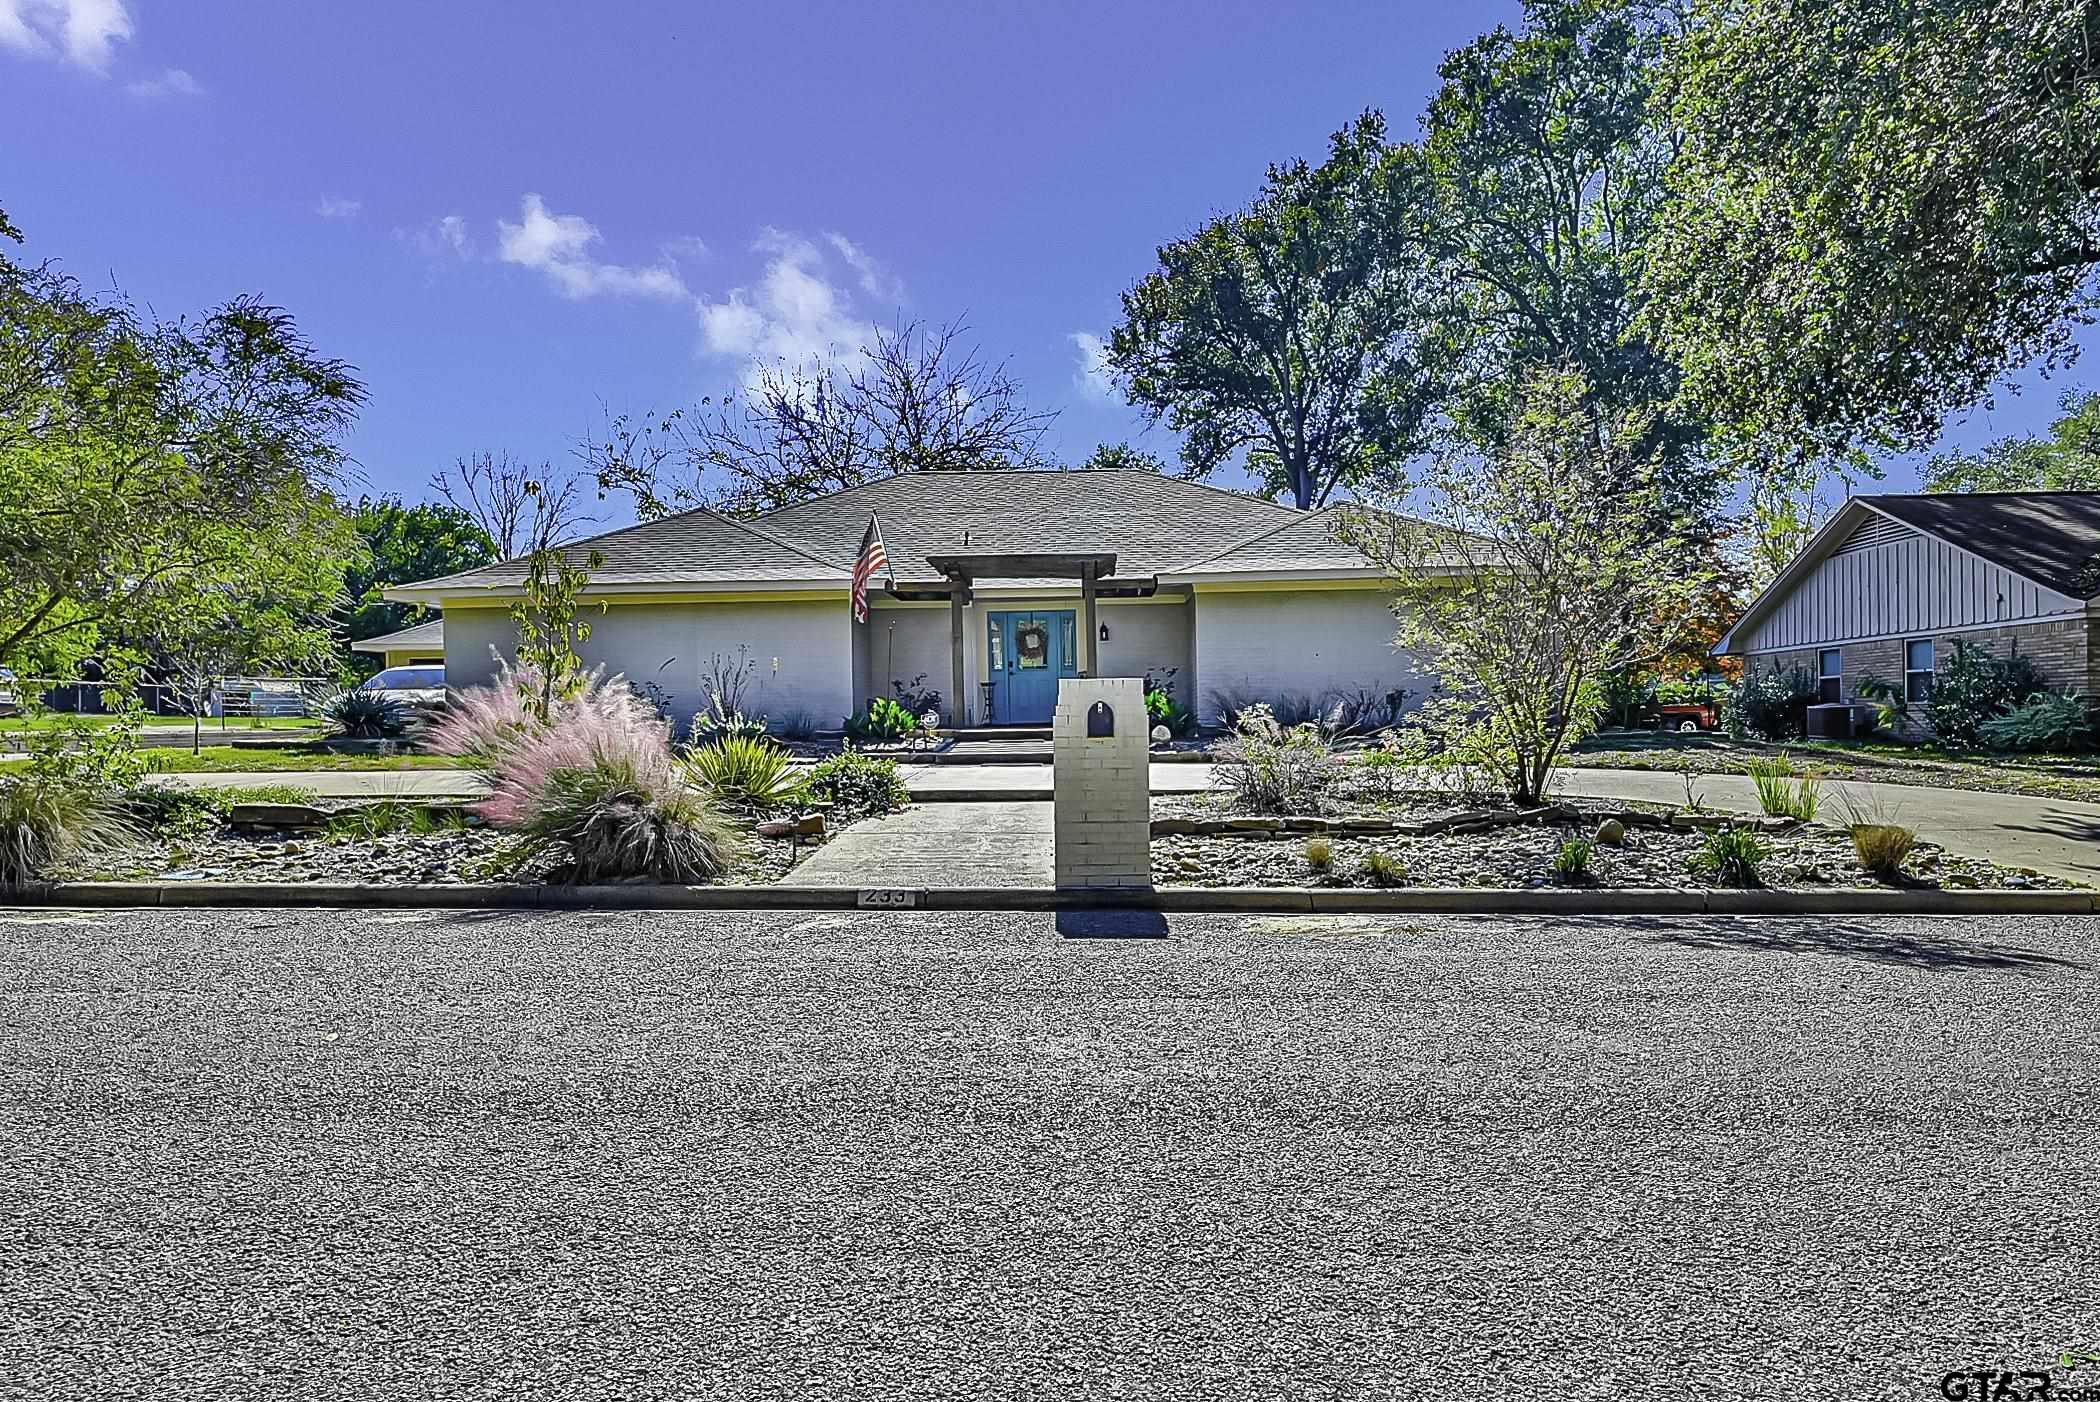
x,y
1783,796
857,785
1382,868
1731,856
1571,864
1770,705
2048,721
390,816
884,721
1891,705
1270,768
1881,847
747,772
363,715
1319,854
167,811
45,822
1975,687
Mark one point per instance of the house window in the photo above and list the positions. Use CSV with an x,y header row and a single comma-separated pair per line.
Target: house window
x,y
995,647
1830,675
1917,669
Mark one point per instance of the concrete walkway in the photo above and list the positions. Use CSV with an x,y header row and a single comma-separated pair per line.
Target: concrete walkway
x,y
1003,845
2050,835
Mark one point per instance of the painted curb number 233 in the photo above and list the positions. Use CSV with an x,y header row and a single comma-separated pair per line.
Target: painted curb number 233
x,y
886,898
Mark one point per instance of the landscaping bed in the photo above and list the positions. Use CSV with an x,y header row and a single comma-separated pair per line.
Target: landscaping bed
x,y
2075,777
385,843
1494,845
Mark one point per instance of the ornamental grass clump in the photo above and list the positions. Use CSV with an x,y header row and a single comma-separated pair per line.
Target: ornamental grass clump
x,y
1781,795
595,783
1731,856
1571,862
47,822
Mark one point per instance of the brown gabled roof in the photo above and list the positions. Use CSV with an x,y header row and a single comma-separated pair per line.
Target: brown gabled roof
x,y
2052,538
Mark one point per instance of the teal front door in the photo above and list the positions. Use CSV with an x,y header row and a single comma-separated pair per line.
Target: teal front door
x,y
1026,654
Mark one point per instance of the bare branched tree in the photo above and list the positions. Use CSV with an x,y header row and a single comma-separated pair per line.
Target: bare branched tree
x,y
523,508
914,399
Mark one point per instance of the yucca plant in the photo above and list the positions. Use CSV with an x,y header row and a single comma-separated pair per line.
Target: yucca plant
x,y
747,771
46,822
363,715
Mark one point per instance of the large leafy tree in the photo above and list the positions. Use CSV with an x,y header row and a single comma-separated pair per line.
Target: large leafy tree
x,y
148,465
404,544
2068,460
1544,153
1292,332
1878,210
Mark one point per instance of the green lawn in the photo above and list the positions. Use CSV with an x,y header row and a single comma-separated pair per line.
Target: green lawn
x,y
55,720
274,759
2074,777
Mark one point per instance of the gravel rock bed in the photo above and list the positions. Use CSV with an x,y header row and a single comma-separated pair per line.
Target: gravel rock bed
x,y
465,856
1518,857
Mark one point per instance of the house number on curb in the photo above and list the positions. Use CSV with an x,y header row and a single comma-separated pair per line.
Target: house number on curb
x,y
885,898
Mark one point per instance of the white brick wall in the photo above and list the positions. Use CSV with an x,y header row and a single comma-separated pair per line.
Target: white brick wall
x,y
1103,786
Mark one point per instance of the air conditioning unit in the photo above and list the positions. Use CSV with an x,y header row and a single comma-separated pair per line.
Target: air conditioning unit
x,y
1831,721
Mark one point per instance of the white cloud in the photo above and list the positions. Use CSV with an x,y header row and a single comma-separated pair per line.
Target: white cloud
x,y
81,32
558,245
794,313
1093,379
440,238
688,247
875,280
172,82
336,207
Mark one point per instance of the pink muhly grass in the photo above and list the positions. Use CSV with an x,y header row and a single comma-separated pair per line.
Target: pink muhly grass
x,y
483,724
617,738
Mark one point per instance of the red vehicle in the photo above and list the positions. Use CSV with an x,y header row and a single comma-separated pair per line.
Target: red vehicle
x,y
1687,717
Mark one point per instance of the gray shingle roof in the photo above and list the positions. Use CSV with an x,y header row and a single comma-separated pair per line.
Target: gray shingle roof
x,y
1308,541
1150,522
422,635
1153,524
691,547
2053,538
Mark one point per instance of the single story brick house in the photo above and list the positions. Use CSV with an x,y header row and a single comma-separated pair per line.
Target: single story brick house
x,y
1891,581
999,584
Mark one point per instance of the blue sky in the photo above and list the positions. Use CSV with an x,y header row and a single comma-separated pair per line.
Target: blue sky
x,y
512,216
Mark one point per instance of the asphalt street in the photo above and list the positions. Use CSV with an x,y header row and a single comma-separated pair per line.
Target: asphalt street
x,y
417,1155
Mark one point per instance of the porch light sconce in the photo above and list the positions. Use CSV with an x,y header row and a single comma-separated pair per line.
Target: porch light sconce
x,y
1104,632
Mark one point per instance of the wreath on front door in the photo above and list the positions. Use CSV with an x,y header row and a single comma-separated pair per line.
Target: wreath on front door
x,y
1033,644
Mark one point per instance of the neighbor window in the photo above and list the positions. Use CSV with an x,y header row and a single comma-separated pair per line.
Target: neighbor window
x,y
1830,674
1917,669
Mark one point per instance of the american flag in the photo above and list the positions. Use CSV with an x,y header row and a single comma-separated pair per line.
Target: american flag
x,y
872,558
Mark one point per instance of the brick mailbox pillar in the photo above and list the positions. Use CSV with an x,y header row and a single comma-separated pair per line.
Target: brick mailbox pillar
x,y
1100,741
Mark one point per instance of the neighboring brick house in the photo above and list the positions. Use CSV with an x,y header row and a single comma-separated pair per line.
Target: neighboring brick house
x,y
1889,584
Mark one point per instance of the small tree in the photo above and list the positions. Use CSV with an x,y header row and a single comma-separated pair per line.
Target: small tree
x,y
1537,576
519,507
551,627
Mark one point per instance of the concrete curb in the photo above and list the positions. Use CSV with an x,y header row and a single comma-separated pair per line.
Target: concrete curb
x,y
1293,900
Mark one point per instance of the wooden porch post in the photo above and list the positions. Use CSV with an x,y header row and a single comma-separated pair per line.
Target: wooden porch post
x,y
1091,649
958,702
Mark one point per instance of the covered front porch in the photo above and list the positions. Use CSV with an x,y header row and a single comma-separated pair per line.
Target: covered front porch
x,y
1002,630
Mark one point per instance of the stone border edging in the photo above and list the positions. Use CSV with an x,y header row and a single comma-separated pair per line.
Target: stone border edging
x,y
1293,900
